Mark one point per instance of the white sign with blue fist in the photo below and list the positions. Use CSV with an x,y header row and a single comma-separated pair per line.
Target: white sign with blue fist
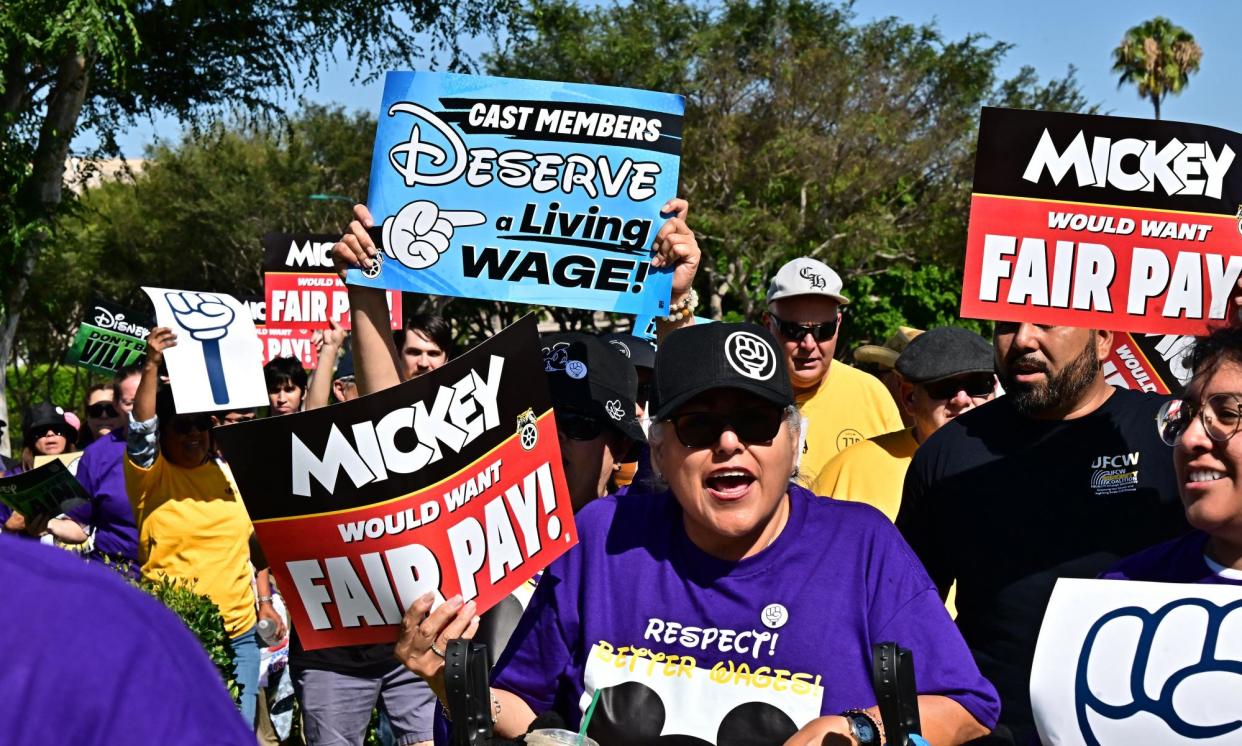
x,y
1122,662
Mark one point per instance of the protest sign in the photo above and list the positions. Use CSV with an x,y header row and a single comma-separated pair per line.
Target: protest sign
x,y
47,490
215,363
301,289
1122,662
523,191
450,482
109,338
1103,222
298,343
1149,362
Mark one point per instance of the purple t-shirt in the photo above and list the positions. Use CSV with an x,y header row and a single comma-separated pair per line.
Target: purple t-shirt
x,y
100,471
1178,561
143,678
680,642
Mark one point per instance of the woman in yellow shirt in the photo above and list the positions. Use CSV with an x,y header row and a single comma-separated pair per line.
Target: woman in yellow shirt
x,y
192,524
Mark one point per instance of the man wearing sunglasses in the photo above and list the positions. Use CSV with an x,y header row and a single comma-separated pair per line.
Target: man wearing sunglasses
x,y
1060,478
842,405
944,372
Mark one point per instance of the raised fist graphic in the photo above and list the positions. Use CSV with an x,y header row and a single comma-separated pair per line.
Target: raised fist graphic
x,y
1177,669
420,232
206,317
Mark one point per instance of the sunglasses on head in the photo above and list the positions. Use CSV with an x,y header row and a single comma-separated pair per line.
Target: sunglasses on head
x,y
101,409
183,425
750,425
797,332
578,426
976,386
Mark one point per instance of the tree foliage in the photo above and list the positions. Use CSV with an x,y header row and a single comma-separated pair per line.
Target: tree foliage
x,y
1157,57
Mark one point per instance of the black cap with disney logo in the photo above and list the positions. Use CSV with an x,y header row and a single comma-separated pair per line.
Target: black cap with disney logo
x,y
703,357
588,376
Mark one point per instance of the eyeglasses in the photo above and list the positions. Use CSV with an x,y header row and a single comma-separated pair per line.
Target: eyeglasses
x,y
751,425
578,426
1220,416
101,409
797,332
183,425
978,386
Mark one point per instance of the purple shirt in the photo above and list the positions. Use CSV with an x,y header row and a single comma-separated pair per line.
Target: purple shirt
x,y
1177,561
100,471
143,679
680,642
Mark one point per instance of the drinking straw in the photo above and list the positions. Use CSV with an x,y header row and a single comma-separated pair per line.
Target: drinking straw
x,y
586,719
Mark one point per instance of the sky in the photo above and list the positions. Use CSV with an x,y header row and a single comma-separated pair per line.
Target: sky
x,y
1050,36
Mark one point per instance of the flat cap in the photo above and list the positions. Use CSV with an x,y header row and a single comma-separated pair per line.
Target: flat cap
x,y
945,352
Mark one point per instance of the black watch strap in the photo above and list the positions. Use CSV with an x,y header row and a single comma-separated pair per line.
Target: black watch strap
x,y
863,727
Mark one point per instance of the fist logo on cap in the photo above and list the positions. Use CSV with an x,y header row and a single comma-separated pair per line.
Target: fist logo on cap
x,y
750,356
420,232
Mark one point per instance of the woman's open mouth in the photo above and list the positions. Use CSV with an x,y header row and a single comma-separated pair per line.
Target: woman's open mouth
x,y
729,484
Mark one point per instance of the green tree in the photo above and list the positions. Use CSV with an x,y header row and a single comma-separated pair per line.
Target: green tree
x,y
1158,58
807,133
68,66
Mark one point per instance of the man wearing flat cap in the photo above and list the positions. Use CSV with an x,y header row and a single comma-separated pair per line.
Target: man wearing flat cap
x,y
944,372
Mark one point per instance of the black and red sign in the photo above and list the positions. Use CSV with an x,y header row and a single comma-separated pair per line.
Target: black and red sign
x,y
448,483
1103,222
1149,362
301,289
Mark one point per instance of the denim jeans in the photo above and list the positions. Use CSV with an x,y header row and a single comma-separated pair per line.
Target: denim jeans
x,y
246,671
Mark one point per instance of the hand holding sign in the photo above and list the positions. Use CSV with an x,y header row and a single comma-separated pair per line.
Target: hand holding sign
x,y
420,232
207,319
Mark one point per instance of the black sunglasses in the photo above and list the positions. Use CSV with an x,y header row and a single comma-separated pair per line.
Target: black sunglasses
x,y
976,386
578,426
101,409
796,332
751,425
183,425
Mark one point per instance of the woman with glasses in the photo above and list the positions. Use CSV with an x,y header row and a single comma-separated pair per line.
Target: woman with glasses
x,y
1208,461
45,432
192,526
733,607
102,416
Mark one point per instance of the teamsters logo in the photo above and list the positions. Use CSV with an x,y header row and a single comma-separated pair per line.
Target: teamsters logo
x,y
749,355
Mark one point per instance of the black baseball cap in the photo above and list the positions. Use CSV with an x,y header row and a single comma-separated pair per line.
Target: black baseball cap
x,y
588,376
641,352
942,353
704,357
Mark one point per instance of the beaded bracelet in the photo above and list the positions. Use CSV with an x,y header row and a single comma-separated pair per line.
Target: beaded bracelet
x,y
685,308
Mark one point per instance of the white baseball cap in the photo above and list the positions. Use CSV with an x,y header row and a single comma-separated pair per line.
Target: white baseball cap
x,y
806,276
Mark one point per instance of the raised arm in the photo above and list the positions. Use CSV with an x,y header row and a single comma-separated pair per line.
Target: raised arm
x,y
375,355
677,247
320,388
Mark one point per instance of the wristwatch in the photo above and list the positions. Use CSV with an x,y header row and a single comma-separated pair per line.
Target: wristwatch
x,y
863,727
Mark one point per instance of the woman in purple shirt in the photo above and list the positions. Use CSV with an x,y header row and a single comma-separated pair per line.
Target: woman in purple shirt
x,y
1208,460
734,607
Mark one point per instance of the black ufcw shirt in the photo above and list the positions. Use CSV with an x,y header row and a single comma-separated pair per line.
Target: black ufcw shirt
x,y
1006,504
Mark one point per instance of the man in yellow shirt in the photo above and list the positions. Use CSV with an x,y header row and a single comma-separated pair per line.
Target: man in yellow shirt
x,y
944,372
842,405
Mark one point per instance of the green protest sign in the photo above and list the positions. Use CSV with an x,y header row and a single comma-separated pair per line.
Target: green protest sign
x,y
49,490
108,339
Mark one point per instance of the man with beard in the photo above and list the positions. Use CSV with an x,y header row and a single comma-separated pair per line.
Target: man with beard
x,y
1061,477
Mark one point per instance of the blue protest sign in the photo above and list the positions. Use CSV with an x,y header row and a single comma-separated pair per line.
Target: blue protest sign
x,y
523,191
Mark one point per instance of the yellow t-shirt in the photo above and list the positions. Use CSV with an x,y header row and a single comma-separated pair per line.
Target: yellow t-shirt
x,y
872,472
847,407
193,526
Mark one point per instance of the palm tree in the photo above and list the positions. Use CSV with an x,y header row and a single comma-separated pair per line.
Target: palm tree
x,y
1158,57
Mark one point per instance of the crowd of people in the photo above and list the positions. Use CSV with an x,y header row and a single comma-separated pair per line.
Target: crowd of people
x,y
745,500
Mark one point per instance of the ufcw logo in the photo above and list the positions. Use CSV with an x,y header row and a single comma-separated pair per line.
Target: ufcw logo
x,y
457,416
1134,165
1116,462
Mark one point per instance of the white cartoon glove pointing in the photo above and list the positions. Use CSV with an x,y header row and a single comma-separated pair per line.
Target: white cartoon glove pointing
x,y
206,317
420,232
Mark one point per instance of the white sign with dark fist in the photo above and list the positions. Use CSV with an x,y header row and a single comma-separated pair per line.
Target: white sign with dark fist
x,y
1122,662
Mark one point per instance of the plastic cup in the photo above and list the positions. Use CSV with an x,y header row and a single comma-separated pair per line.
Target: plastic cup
x,y
557,737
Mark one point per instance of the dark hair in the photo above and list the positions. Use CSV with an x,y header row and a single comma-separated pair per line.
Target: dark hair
x,y
1223,345
86,400
431,326
165,409
282,370
122,375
